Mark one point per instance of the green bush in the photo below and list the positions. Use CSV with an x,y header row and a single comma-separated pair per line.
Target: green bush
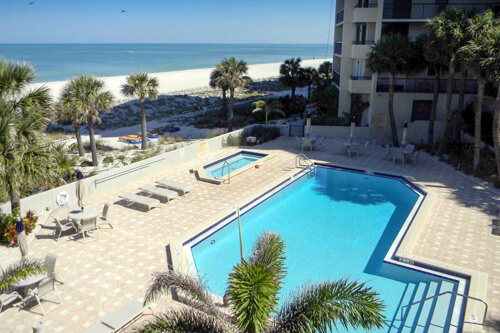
x,y
86,163
6,221
293,106
177,138
122,159
235,140
216,132
161,140
73,147
262,133
108,160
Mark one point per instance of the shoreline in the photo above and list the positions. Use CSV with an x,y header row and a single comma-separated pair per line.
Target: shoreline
x,y
177,81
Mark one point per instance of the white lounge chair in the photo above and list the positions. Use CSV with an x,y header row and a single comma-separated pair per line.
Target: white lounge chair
x,y
158,191
131,198
178,186
120,319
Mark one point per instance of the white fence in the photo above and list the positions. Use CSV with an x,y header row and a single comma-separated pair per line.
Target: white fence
x,y
112,178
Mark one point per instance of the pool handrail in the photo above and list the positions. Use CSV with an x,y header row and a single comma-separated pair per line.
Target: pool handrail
x,y
228,171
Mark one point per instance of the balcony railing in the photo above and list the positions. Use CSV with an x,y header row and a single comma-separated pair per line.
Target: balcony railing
x,y
336,77
361,78
339,18
424,85
366,5
363,42
427,11
337,49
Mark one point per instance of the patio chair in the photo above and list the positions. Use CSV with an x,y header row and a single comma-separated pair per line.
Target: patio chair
x,y
43,288
339,147
409,149
50,263
104,216
88,225
353,149
307,143
413,157
8,298
299,141
398,155
388,149
320,142
178,186
62,227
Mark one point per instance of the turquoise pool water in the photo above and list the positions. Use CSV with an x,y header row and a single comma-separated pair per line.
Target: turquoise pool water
x,y
219,169
336,224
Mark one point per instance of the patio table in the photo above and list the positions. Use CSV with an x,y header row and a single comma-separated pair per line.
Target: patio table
x,y
312,138
23,285
348,144
78,215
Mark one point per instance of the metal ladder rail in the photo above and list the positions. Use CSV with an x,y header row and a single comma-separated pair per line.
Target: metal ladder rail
x,y
453,293
228,171
309,163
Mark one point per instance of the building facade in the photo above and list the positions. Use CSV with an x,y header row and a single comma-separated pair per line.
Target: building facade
x,y
361,23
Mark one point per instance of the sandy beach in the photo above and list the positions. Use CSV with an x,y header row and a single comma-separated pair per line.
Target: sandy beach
x,y
180,81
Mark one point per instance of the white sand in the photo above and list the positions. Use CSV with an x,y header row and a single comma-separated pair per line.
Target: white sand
x,y
180,81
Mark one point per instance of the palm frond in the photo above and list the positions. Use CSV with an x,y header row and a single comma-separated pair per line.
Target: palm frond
x,y
321,306
183,321
20,270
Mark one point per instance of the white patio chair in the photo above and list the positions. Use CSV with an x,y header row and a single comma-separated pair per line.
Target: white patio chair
x,y
45,287
307,143
104,216
50,263
353,149
388,149
398,155
62,227
413,157
8,298
88,225
319,143
299,141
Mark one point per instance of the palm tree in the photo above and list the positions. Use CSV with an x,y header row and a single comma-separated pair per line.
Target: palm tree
x,y
268,108
395,55
232,73
87,93
18,271
309,76
254,285
473,54
450,28
67,111
143,86
23,157
217,81
291,74
437,59
325,71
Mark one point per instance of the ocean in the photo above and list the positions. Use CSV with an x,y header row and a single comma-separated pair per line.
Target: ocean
x,y
56,62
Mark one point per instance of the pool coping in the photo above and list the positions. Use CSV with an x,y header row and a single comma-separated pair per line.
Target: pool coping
x,y
202,175
471,282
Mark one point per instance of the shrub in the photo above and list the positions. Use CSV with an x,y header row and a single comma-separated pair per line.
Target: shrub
x,y
29,222
6,221
178,138
122,159
215,132
262,133
73,147
161,140
234,140
86,163
92,173
108,160
293,106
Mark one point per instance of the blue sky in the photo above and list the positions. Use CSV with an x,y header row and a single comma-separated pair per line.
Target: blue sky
x,y
148,21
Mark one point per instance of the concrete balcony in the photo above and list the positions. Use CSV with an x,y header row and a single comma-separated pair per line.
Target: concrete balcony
x,y
360,84
365,14
360,50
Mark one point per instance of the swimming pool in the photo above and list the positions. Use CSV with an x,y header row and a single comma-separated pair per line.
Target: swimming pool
x,y
338,224
236,161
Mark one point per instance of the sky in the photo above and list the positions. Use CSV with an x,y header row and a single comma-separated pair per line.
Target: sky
x,y
167,21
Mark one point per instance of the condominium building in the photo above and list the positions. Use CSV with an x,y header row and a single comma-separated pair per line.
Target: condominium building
x,y
358,25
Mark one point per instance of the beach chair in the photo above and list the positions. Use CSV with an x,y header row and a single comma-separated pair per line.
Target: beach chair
x,y
131,198
178,186
129,137
160,192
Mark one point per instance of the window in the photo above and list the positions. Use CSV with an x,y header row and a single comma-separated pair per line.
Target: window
x,y
421,110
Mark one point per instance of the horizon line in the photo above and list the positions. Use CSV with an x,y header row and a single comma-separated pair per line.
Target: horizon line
x,y
118,43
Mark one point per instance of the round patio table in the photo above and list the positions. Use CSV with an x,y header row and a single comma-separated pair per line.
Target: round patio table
x,y
23,285
78,215
348,144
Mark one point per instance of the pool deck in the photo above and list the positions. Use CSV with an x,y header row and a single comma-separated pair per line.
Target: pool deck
x,y
102,275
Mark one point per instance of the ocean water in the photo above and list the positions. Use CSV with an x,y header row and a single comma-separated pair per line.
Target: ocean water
x,y
54,62
336,224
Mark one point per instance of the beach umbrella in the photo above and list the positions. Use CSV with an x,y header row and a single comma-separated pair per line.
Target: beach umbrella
x,y
353,124
80,189
22,240
308,125
405,134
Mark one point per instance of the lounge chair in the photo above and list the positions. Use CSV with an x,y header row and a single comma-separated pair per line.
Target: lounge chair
x,y
151,135
104,216
131,198
129,137
201,176
43,288
178,186
119,319
158,191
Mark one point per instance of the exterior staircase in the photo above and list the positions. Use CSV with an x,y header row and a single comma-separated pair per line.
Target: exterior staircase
x,y
433,315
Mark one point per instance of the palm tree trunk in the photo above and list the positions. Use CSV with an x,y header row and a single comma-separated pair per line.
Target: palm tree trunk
x,y
231,107
224,101
496,130
447,114
15,197
308,91
144,135
78,134
461,101
392,119
435,100
93,148
477,125
293,92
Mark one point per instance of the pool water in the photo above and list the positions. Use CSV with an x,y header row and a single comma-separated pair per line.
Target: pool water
x,y
336,224
237,161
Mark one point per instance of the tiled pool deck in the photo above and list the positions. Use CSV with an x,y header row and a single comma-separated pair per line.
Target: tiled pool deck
x,y
102,275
